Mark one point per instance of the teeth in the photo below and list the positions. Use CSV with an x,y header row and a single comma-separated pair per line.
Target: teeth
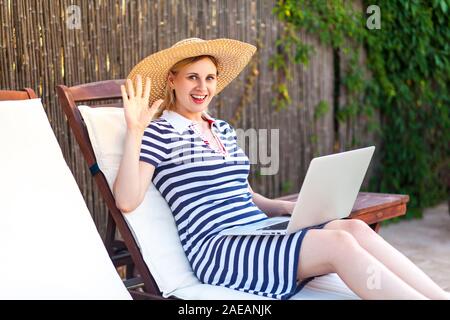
x,y
199,97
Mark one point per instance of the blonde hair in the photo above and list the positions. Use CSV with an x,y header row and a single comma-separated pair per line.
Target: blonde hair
x,y
169,94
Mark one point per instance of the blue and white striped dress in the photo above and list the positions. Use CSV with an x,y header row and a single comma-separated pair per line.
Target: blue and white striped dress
x,y
208,192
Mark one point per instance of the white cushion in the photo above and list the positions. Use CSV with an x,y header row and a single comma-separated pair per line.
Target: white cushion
x,y
155,230
328,287
49,245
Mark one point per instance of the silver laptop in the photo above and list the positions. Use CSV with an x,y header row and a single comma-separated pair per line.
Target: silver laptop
x,y
328,193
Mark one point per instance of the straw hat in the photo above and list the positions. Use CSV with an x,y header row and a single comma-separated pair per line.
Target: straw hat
x,y
232,56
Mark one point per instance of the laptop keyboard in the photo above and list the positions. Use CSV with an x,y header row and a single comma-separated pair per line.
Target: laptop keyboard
x,y
278,226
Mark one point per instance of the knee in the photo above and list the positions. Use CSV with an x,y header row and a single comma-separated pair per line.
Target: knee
x,y
344,245
342,238
356,227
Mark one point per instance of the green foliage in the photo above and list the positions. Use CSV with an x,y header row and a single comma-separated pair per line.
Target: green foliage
x,y
409,60
409,65
286,186
321,109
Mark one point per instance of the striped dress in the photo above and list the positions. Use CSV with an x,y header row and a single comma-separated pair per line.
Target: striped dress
x,y
207,191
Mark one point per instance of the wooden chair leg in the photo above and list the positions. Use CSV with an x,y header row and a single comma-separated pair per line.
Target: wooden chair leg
x,y
110,235
117,250
130,271
376,226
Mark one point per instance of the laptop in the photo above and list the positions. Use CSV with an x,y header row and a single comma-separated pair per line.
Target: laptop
x,y
329,192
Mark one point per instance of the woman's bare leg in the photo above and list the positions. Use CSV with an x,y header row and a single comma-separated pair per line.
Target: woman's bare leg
x,y
326,251
393,259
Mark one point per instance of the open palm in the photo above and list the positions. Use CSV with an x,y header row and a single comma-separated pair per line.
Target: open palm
x,y
138,113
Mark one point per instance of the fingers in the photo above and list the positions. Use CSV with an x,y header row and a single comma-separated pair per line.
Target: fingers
x,y
138,86
130,89
128,93
147,88
124,93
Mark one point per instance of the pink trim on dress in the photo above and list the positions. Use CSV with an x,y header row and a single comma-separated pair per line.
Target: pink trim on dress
x,y
222,149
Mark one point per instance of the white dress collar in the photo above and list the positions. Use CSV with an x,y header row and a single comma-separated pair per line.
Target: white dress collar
x,y
181,123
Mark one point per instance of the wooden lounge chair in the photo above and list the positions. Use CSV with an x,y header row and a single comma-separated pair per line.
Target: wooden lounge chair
x,y
369,207
48,239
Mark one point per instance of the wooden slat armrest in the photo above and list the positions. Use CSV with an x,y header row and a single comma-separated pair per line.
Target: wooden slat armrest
x,y
99,90
23,94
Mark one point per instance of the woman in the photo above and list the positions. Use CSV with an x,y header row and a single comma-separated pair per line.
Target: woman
x,y
196,164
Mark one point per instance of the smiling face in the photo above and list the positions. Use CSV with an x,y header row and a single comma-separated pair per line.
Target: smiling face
x,y
195,86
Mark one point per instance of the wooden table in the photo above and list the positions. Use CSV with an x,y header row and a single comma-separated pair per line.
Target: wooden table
x,y
373,208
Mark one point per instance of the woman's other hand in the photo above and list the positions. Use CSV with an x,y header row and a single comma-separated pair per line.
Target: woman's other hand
x,y
138,113
288,207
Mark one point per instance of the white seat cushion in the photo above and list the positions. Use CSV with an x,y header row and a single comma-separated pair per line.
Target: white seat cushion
x,y
328,287
154,228
49,245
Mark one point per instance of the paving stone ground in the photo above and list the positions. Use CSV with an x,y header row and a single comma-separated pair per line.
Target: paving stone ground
x,y
425,241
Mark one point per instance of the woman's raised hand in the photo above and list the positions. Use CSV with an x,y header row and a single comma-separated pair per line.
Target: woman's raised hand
x,y
138,113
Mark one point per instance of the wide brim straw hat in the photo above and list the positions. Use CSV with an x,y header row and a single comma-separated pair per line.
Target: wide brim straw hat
x,y
232,56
